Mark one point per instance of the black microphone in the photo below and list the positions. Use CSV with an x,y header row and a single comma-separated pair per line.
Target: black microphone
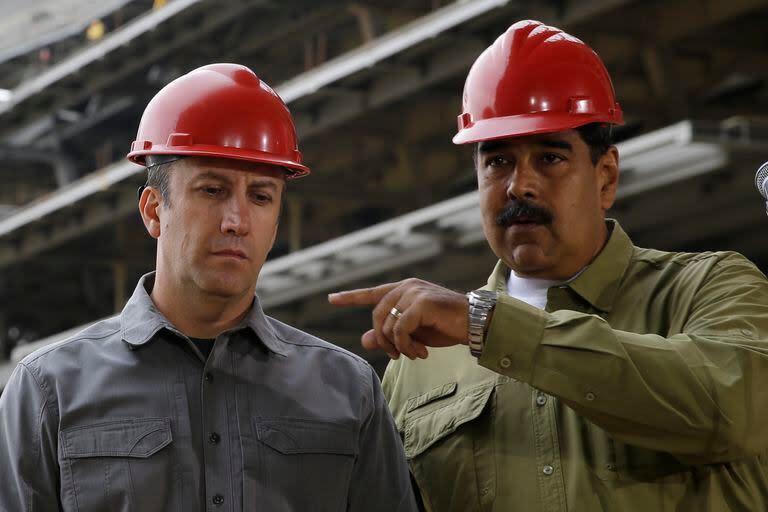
x,y
761,182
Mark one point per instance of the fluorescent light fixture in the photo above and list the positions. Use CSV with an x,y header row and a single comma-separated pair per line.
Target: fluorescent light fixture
x,y
677,134
665,156
5,95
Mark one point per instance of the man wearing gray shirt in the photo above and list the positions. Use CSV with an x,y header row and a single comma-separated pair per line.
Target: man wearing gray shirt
x,y
192,399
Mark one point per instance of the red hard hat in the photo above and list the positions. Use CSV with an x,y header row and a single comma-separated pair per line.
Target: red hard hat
x,y
535,79
221,110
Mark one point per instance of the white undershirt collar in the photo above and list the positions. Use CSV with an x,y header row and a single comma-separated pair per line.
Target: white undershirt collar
x,y
533,291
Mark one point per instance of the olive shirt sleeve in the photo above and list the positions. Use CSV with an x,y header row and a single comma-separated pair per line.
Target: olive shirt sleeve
x,y
28,449
701,394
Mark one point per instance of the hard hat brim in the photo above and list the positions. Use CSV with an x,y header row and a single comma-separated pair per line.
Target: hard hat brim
x,y
295,170
528,124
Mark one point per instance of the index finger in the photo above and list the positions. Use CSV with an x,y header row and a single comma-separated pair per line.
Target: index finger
x,y
361,296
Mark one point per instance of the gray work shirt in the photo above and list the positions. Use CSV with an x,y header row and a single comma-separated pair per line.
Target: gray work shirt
x,y
128,415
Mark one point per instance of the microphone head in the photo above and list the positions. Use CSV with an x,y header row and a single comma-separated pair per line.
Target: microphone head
x,y
760,180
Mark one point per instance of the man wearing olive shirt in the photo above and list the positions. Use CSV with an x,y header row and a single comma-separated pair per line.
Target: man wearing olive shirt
x,y
599,376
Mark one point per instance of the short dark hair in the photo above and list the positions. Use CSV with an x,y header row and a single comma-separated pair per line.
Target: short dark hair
x,y
158,176
599,138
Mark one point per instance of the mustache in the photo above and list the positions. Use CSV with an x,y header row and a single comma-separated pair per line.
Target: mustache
x,y
517,209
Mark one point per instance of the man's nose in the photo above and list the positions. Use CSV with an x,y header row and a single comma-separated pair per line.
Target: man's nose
x,y
523,181
236,218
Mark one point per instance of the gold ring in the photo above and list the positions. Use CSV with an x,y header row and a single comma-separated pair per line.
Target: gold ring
x,y
395,312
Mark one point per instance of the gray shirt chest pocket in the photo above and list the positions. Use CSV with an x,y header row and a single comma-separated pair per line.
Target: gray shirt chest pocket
x,y
305,462
121,464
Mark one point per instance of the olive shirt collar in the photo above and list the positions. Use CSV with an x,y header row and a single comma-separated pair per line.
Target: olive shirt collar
x,y
599,282
141,321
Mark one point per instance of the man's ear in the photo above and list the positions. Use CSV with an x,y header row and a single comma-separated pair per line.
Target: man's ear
x,y
150,202
608,177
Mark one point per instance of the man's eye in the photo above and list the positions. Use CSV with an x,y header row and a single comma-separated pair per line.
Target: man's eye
x,y
262,198
212,191
551,158
497,161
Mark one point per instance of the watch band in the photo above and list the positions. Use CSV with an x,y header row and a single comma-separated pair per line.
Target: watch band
x,y
481,304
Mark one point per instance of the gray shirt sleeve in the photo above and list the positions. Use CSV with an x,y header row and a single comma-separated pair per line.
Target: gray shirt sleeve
x,y
380,480
28,449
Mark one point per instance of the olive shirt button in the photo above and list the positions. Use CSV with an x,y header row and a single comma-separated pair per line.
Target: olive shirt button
x,y
541,400
505,362
548,470
590,396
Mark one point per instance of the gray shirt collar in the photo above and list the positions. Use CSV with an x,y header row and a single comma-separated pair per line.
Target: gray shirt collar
x,y
140,320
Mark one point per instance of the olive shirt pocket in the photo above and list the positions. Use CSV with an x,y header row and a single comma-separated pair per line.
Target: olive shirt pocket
x,y
447,436
293,461
118,465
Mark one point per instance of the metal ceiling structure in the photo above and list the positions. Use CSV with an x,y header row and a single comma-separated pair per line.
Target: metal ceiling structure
x,y
28,26
375,87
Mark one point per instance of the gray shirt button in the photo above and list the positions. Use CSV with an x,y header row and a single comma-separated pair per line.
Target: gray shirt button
x,y
541,399
548,470
218,499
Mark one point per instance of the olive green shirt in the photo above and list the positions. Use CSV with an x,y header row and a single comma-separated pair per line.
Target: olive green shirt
x,y
642,387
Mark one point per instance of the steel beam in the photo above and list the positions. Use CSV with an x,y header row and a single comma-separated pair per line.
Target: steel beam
x,y
95,52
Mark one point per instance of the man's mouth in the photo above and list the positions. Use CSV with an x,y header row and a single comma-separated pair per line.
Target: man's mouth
x,y
524,220
232,253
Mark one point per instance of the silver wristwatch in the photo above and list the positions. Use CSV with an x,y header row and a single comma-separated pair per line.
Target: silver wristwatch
x,y
481,304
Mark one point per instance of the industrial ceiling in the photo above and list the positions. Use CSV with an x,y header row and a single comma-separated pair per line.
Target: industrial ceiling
x,y
375,87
